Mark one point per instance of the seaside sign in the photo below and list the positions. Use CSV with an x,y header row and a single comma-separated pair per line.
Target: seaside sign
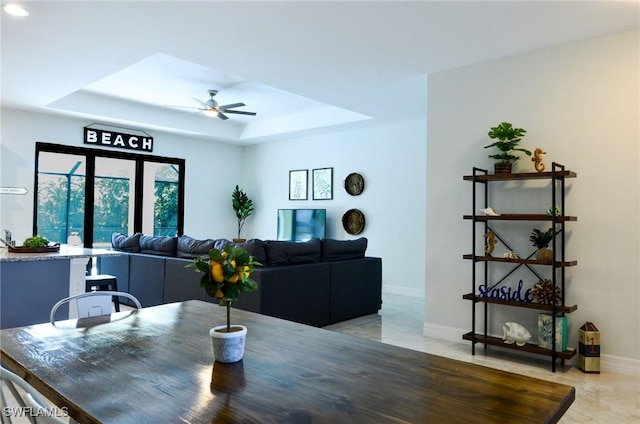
x,y
100,137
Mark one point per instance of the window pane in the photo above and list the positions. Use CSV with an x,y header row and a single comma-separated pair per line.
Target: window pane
x,y
165,199
113,199
61,186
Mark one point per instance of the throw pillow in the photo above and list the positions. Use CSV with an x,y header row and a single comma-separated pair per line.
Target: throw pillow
x,y
126,243
340,250
190,248
220,244
256,248
281,253
161,246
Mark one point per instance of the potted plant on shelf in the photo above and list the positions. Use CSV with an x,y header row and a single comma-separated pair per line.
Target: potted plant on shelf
x,y
508,138
226,275
243,208
541,240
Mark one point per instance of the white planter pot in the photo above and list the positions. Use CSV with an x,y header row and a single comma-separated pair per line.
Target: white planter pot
x,y
228,347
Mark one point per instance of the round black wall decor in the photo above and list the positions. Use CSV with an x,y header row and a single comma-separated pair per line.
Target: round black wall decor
x,y
354,184
353,221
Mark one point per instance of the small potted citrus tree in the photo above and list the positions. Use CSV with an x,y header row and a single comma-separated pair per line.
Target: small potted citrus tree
x,y
226,275
507,141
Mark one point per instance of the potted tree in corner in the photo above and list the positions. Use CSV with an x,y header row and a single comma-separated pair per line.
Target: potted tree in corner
x,y
243,208
508,138
226,275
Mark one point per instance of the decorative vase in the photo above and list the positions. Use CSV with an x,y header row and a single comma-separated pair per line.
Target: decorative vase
x,y
502,167
544,255
74,239
228,347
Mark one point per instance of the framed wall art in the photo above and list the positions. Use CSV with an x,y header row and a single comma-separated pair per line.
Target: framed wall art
x,y
298,184
322,181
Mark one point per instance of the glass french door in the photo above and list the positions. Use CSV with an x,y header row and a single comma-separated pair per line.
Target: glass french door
x,y
61,196
96,193
114,194
160,205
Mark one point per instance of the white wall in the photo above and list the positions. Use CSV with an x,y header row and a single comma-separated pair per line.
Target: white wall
x,y
580,103
390,158
212,171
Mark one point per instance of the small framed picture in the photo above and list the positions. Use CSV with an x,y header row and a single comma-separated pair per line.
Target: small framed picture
x,y
298,184
322,181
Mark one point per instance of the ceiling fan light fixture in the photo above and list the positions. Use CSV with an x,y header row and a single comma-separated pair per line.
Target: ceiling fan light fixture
x,y
15,10
212,109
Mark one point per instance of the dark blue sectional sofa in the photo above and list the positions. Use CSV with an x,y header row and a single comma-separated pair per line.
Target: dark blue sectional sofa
x,y
318,282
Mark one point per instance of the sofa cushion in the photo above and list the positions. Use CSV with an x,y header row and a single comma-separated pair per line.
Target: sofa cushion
x,y
188,247
340,250
281,253
126,243
161,246
220,244
256,248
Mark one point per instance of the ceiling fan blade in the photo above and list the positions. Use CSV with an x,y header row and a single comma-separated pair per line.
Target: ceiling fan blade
x,y
203,104
240,112
191,113
231,106
183,107
222,116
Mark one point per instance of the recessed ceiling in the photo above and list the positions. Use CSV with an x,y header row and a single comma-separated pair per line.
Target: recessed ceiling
x,y
303,66
166,84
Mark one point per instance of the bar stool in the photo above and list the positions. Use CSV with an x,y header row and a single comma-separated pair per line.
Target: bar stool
x,y
103,282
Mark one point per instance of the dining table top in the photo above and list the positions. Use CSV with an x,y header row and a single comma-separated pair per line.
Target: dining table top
x,y
155,365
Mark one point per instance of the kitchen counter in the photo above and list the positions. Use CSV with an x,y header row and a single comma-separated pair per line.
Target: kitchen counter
x,y
31,283
65,252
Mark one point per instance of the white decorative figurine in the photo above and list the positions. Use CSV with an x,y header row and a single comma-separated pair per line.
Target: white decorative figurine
x,y
488,211
515,333
510,254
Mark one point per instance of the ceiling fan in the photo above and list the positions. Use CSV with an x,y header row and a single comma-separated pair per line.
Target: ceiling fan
x,y
211,107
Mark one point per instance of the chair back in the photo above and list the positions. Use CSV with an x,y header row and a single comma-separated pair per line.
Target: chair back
x,y
25,402
92,304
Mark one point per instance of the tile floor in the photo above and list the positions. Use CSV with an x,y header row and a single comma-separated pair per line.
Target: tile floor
x,y
600,398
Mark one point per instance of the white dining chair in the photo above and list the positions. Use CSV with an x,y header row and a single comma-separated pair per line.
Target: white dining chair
x,y
27,403
92,304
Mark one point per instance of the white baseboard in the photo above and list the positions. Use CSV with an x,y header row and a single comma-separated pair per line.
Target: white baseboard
x,y
403,291
609,364
441,332
618,365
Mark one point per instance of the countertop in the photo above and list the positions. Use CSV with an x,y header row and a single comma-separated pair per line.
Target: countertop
x,y
65,252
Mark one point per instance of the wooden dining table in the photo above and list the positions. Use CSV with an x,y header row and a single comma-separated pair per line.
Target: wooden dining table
x,y
155,365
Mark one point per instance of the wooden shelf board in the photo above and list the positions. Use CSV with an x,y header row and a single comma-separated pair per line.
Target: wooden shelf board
x,y
529,347
537,306
518,261
520,217
521,176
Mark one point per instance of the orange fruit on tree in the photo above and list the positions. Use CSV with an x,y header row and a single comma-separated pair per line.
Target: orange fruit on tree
x,y
216,272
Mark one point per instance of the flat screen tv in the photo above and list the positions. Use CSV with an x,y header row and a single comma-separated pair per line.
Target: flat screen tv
x,y
301,224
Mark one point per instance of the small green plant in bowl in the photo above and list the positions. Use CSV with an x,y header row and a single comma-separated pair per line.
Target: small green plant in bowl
x,y
36,241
